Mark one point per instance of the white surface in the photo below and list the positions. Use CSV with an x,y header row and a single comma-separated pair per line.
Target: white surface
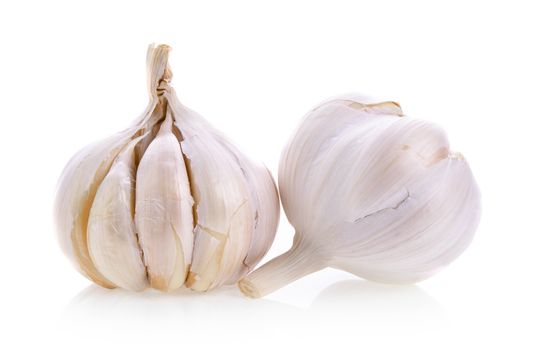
x,y
71,74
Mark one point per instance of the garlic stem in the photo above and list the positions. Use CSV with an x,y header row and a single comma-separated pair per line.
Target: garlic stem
x,y
280,271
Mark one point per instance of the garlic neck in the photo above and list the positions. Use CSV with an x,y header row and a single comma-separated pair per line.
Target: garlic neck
x,y
294,264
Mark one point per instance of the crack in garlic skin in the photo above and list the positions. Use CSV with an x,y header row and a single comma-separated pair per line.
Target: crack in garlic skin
x,y
205,217
395,207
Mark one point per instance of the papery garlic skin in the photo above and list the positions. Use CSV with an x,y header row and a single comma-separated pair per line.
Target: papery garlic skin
x,y
373,193
111,233
163,214
76,190
169,201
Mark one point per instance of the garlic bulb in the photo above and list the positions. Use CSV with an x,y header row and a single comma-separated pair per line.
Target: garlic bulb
x,y
373,193
167,202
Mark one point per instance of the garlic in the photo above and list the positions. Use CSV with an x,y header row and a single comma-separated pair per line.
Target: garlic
x,y
372,193
167,202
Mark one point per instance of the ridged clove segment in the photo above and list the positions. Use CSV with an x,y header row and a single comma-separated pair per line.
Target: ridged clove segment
x,y
265,207
225,215
112,238
237,207
163,211
77,188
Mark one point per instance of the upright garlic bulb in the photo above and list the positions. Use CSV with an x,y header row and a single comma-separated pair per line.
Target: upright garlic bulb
x,y
373,193
166,202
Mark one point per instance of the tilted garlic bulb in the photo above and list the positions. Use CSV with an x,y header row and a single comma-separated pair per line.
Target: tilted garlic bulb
x,y
373,193
167,202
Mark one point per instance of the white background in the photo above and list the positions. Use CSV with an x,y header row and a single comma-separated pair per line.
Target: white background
x,y
73,72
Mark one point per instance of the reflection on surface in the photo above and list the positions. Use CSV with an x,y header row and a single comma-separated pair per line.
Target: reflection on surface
x,y
363,301
350,299
348,309
184,306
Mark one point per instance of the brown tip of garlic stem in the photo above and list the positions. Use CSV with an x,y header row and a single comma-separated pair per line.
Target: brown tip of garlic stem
x,y
248,288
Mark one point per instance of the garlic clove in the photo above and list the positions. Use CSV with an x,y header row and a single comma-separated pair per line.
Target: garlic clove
x,y
218,254
224,208
265,205
77,188
163,210
112,239
224,212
